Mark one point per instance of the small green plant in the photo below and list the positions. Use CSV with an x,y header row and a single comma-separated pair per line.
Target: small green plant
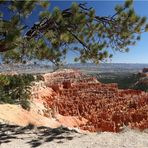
x,y
25,104
16,89
141,86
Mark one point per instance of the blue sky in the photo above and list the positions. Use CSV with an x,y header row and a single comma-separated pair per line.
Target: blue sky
x,y
137,53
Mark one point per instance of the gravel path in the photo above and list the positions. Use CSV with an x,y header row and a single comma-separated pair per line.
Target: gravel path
x,y
12,136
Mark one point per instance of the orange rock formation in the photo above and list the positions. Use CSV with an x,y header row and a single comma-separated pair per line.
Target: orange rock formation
x,y
105,107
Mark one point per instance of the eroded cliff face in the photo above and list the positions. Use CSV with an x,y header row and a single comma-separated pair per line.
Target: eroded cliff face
x,y
103,106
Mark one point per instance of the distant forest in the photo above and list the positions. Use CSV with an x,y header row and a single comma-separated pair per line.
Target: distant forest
x,y
124,81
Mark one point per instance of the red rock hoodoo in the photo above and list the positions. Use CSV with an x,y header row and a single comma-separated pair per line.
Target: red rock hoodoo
x,y
106,107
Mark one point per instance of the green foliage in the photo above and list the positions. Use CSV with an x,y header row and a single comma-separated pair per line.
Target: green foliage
x,y
142,86
146,27
44,14
44,4
16,89
142,83
124,81
77,28
128,3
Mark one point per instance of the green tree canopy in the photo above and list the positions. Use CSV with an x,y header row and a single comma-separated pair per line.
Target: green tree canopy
x,y
77,28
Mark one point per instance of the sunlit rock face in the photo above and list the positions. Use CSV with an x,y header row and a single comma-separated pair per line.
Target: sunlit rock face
x,y
104,106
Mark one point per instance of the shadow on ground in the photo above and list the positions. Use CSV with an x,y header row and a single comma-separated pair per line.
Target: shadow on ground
x,y
35,135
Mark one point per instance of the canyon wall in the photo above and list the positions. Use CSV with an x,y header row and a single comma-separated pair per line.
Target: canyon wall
x,y
104,106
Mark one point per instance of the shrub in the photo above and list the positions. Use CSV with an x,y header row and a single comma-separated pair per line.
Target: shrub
x,y
25,104
16,89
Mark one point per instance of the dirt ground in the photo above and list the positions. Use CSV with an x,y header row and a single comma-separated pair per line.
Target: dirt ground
x,y
12,136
